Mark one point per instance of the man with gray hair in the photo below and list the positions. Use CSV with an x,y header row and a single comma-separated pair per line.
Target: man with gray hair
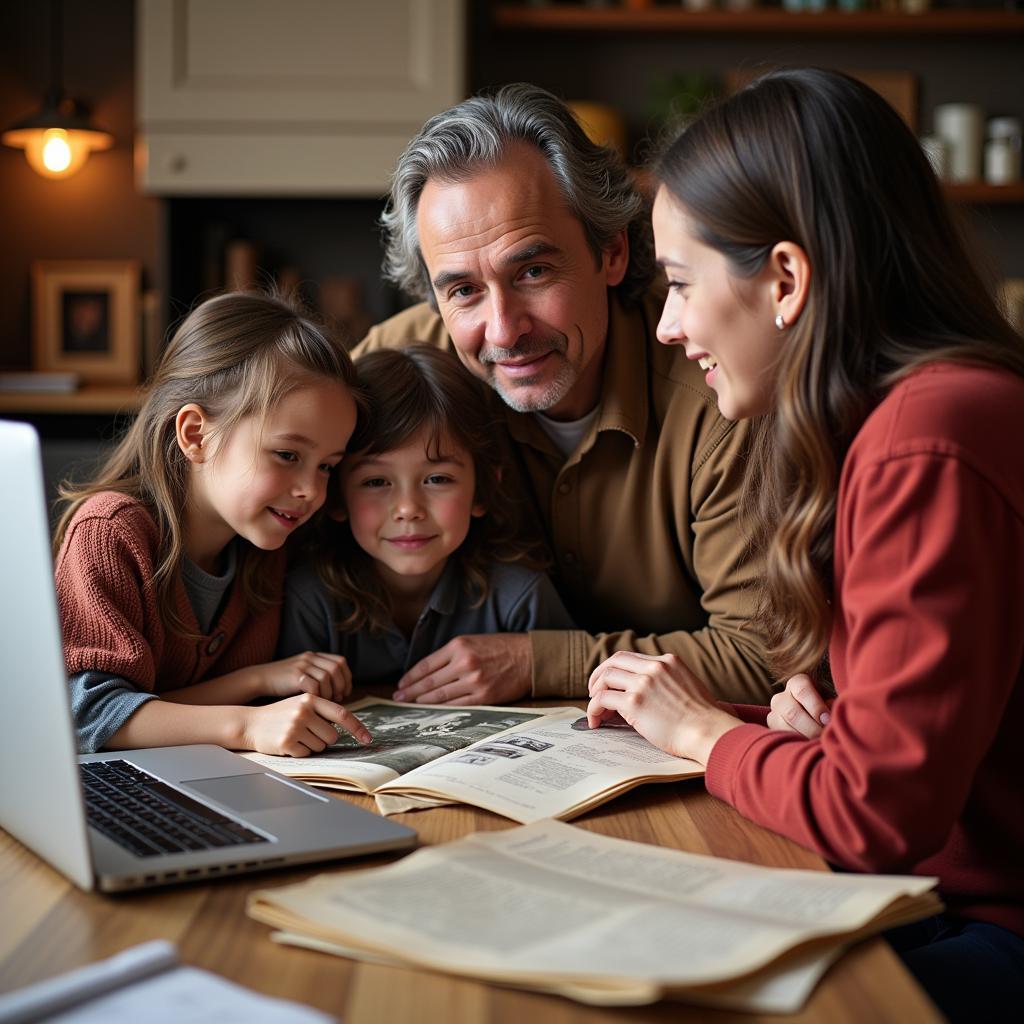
x,y
530,246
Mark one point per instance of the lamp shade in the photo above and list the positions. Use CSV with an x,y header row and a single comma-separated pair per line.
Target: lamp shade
x,y
57,139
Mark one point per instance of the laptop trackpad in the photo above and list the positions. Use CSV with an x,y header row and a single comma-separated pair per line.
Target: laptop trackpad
x,y
254,792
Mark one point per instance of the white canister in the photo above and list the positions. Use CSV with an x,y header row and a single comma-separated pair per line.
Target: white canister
x,y
1003,151
962,125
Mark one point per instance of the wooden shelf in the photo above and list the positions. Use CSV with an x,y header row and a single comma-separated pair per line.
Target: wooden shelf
x,y
91,399
976,193
983,194
760,20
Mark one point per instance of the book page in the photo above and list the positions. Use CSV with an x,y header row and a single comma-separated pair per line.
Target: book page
x,y
543,769
330,770
400,803
405,737
551,905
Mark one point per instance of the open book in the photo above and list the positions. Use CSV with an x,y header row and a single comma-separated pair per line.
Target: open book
x,y
605,921
523,763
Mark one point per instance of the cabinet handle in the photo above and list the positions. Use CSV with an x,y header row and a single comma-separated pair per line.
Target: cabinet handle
x,y
178,163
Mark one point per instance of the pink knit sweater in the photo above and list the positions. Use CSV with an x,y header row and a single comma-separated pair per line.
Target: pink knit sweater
x,y
109,614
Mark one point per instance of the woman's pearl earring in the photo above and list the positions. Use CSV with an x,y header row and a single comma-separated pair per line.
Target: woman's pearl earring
x,y
780,322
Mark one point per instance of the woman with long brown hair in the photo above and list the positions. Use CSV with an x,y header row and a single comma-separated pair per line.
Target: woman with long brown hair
x,y
815,271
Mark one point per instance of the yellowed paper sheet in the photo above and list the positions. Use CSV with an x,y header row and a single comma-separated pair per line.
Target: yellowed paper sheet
x,y
552,907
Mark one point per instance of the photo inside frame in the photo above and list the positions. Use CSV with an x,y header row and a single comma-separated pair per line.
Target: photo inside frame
x,y
85,321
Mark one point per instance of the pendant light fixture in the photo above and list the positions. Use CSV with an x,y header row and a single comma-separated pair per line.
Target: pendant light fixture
x,y
58,138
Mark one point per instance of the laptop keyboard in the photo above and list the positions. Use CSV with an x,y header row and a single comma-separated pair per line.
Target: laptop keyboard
x,y
148,817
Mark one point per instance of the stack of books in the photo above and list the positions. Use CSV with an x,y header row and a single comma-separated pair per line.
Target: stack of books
x,y
43,383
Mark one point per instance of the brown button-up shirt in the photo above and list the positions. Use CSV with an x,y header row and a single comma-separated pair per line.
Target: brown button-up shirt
x,y
641,518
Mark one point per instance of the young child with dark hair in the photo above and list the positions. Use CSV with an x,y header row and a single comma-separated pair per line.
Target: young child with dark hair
x,y
426,549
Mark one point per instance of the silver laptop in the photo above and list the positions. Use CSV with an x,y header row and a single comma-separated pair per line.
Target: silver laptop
x,y
202,811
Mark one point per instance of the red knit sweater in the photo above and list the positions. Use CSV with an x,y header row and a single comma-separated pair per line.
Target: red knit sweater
x,y
919,767
109,614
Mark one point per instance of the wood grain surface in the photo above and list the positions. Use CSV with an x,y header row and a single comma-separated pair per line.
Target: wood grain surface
x,y
49,926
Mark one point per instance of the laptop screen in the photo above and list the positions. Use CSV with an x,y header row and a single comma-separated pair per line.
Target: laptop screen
x,y
40,798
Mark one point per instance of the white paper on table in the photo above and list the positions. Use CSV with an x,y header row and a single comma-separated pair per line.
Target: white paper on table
x,y
555,908
783,988
780,989
149,983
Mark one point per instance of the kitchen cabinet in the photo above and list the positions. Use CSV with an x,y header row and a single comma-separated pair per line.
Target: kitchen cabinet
x,y
308,97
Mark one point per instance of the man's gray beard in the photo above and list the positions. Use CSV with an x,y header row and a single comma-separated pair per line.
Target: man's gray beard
x,y
565,378
559,388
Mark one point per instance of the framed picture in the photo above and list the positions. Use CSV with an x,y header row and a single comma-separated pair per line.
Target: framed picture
x,y
1011,298
85,317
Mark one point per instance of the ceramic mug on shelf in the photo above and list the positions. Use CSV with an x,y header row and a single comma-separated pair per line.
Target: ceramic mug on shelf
x,y
962,126
1003,151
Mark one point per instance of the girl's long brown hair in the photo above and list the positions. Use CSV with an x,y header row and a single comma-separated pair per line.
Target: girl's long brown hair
x,y
236,356
817,158
406,391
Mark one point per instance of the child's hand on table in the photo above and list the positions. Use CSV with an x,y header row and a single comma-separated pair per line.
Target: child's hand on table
x,y
313,672
298,726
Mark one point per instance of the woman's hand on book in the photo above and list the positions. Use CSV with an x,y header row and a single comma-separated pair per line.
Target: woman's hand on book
x,y
299,726
314,672
481,669
662,699
799,708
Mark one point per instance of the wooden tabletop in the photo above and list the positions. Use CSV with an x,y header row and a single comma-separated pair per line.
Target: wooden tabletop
x,y
49,927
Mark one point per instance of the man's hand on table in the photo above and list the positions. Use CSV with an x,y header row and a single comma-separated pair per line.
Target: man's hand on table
x,y
493,668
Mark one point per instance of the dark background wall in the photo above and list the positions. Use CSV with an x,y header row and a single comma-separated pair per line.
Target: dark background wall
x,y
98,213
624,68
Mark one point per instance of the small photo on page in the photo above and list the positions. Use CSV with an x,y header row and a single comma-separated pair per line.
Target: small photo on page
x,y
490,748
474,759
528,743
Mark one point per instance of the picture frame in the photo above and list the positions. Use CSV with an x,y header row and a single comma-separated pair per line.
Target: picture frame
x,y
85,319
1011,299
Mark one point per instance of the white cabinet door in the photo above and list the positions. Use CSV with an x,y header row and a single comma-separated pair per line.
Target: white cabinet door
x,y
289,96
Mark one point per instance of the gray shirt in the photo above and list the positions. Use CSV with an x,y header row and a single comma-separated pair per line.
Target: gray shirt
x,y
519,600
102,703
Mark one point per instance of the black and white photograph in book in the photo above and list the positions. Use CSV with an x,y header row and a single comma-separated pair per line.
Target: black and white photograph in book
x,y
406,737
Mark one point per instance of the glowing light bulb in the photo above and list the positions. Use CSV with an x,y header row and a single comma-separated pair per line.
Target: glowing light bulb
x,y
56,151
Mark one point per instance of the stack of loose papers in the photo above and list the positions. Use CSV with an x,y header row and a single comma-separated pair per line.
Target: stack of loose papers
x,y
553,908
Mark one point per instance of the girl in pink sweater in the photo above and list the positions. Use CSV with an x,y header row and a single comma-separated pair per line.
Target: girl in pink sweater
x,y
815,272
170,563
